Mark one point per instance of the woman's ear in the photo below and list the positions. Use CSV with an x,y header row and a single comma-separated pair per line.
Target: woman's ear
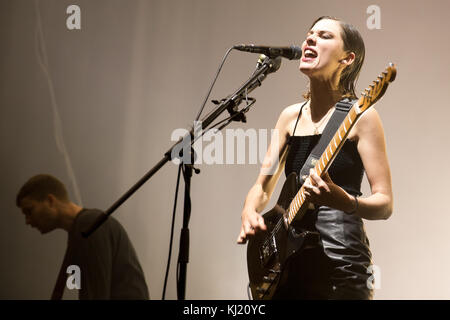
x,y
348,60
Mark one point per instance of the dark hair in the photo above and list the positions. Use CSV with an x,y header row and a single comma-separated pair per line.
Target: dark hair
x,y
353,42
41,185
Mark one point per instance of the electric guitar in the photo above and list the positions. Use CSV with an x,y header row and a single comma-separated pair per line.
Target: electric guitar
x,y
269,251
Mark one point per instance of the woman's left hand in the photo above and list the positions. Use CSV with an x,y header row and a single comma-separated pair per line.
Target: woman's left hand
x,y
323,192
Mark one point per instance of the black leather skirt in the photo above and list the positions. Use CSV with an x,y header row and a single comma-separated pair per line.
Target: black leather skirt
x,y
337,268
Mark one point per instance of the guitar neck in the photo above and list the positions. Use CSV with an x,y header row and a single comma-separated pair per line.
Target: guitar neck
x,y
327,158
370,95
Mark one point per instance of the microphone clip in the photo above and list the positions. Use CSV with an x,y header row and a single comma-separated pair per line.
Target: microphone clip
x,y
235,114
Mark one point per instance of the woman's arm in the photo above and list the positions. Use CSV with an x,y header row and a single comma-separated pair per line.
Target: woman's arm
x,y
273,165
372,149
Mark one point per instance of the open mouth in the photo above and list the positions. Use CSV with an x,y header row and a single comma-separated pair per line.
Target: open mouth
x,y
309,54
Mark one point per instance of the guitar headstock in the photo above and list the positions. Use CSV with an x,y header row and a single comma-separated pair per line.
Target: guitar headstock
x,y
378,87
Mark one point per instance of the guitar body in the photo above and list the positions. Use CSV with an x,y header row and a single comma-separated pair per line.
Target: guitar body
x,y
269,251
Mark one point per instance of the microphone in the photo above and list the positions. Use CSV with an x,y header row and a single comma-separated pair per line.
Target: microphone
x,y
291,53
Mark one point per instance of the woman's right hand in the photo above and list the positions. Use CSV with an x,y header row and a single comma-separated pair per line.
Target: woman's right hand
x,y
252,222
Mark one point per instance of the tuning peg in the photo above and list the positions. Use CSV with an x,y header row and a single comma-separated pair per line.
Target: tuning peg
x,y
367,95
377,84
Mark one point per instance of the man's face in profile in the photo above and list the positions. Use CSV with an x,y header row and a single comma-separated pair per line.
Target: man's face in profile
x,y
39,214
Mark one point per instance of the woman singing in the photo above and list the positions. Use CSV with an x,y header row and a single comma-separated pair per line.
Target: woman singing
x,y
333,54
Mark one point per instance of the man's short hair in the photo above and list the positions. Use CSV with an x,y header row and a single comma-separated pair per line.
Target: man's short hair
x,y
40,186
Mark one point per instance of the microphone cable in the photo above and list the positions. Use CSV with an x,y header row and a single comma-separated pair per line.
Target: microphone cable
x,y
213,83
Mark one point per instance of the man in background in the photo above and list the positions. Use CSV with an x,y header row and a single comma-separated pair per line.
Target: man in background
x,y
107,261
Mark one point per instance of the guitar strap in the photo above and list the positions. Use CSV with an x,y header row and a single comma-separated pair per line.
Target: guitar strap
x,y
340,112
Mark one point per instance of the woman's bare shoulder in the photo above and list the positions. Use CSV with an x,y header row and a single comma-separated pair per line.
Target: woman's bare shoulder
x,y
288,117
291,111
369,120
368,125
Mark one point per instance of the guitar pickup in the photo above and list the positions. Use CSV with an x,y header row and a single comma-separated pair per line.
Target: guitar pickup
x,y
270,278
267,251
275,271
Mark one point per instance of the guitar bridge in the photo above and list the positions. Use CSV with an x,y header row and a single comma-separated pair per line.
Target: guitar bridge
x,y
268,250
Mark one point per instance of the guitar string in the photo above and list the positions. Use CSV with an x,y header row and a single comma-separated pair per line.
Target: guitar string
x,y
275,229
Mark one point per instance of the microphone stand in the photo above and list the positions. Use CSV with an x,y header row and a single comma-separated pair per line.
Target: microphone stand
x,y
183,253
264,67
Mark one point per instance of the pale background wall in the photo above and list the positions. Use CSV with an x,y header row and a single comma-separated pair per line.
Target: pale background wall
x,y
139,69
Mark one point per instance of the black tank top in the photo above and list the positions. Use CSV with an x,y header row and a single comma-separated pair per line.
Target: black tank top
x,y
346,171
342,235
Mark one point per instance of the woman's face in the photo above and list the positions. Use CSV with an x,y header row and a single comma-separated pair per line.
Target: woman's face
x,y
323,50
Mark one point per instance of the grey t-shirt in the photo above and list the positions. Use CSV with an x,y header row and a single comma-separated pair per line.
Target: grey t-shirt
x,y
109,266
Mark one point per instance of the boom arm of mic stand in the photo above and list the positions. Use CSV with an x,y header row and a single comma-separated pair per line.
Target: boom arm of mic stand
x,y
248,86
253,82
